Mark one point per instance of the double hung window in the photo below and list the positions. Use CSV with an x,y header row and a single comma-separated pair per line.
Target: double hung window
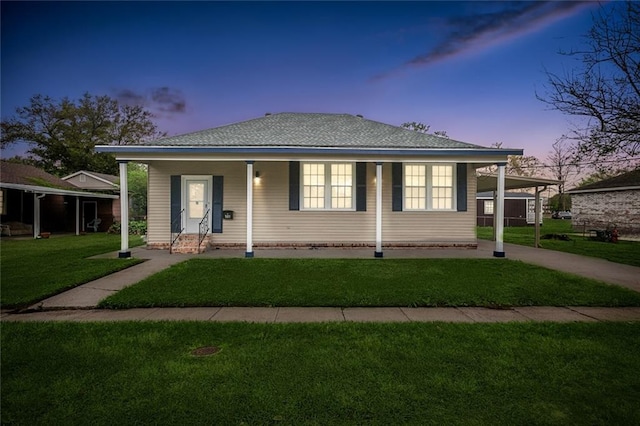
x,y
327,186
429,187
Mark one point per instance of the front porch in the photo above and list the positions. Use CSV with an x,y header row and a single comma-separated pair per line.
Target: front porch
x,y
252,205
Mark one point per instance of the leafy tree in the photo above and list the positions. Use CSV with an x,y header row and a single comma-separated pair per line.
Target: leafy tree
x,y
599,175
605,89
62,135
559,202
137,183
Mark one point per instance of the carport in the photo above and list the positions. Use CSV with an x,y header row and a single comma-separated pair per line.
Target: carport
x,y
40,192
498,185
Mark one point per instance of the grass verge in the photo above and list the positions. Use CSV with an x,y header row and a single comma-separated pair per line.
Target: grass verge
x,y
626,252
438,373
366,282
31,270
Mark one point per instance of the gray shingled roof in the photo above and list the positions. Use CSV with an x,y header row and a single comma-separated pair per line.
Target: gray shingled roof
x,y
24,174
629,179
311,130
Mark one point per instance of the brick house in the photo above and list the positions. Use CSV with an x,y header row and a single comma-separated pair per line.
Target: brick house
x,y
608,203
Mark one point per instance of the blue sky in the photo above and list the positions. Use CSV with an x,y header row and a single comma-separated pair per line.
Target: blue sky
x,y
470,68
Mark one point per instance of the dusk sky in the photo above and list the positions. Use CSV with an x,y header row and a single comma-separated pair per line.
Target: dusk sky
x,y
470,68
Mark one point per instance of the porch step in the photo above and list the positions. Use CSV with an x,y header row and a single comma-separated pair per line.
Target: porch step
x,y
188,243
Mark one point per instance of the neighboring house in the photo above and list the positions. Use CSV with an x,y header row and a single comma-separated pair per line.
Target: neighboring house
x,y
608,203
311,180
99,182
34,201
519,209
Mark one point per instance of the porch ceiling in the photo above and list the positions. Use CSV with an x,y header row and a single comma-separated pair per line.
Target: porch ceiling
x,y
489,182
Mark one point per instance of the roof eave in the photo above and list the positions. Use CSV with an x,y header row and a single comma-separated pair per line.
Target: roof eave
x,y
608,189
147,149
55,191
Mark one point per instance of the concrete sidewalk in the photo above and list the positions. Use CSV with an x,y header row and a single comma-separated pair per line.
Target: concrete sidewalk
x,y
89,295
313,315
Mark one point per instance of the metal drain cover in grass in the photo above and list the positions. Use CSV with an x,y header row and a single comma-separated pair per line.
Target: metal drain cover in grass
x,y
205,351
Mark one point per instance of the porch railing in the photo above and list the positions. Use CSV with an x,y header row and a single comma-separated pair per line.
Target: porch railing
x,y
176,223
203,228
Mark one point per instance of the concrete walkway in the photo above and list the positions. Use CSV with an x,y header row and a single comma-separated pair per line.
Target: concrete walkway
x,y
87,296
291,315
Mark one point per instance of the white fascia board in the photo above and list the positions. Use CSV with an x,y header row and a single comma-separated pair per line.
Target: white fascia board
x,y
619,188
92,176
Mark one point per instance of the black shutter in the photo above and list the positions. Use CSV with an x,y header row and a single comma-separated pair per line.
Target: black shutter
x,y
294,185
396,187
461,186
176,203
361,187
216,210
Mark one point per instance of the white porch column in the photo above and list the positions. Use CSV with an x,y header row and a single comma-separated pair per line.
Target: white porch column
x,y
124,212
378,252
499,210
249,252
77,215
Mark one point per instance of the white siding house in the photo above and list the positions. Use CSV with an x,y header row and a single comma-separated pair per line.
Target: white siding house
x,y
311,180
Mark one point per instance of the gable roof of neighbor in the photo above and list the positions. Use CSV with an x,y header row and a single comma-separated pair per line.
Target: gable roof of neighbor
x,y
307,131
103,177
625,181
28,178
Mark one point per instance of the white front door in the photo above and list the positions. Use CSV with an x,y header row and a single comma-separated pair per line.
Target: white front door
x,y
196,202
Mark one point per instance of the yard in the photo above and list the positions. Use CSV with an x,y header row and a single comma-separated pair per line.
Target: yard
x,y
366,282
627,252
31,270
430,373
328,373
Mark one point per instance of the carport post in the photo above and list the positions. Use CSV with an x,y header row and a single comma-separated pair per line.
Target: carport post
x,y
536,222
124,212
36,214
77,215
499,210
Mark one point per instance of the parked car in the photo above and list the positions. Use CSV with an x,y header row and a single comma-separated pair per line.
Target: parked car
x,y
561,215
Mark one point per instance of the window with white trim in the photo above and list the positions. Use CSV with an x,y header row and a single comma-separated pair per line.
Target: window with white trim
x,y
327,186
442,187
429,186
488,206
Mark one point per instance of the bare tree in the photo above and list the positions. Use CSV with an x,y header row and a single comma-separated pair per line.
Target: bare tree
x,y
518,165
605,89
563,165
424,128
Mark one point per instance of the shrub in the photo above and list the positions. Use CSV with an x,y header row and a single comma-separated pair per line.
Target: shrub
x,y
136,227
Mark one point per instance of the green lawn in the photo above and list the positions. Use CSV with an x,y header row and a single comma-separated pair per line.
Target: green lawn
x,y
370,282
627,252
317,374
31,270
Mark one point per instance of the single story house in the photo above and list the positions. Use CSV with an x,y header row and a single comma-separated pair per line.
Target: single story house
x,y
33,201
613,202
102,183
310,180
519,208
